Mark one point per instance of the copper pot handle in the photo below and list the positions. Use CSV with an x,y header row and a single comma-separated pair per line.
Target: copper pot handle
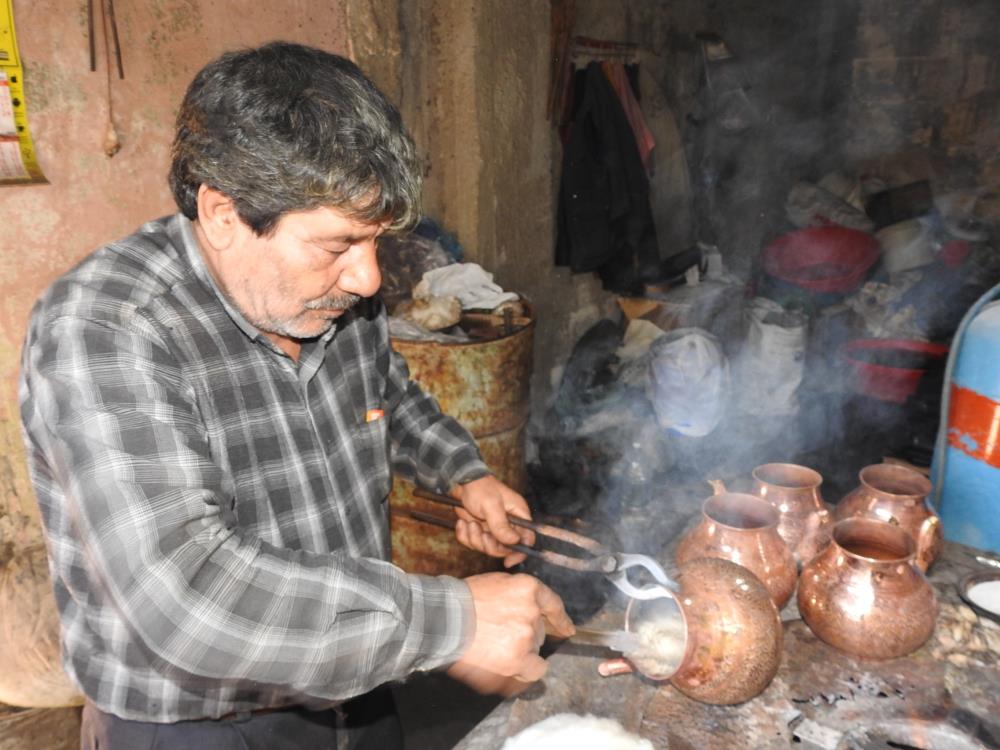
x,y
612,667
925,542
718,486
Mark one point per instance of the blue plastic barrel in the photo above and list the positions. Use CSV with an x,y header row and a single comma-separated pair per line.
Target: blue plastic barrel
x,y
966,467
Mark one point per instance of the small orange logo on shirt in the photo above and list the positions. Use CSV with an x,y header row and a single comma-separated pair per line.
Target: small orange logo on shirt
x,y
373,415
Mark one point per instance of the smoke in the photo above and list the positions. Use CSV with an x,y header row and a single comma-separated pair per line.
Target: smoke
x,y
808,89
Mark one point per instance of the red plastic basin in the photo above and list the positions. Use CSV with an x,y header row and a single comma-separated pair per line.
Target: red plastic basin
x,y
821,259
867,358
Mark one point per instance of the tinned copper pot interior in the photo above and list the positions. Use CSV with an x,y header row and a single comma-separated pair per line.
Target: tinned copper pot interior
x,y
873,541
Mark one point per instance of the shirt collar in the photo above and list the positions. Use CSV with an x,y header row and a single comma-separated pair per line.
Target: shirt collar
x,y
192,250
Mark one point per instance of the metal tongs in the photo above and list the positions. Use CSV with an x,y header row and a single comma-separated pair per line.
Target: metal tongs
x,y
597,558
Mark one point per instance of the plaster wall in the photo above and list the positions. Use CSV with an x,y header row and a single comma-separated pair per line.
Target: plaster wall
x,y
471,80
93,199
475,83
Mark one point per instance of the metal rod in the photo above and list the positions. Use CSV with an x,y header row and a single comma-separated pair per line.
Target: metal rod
x,y
114,36
586,41
617,640
90,35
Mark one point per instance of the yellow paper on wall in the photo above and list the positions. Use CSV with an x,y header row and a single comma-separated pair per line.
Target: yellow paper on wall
x,y
18,163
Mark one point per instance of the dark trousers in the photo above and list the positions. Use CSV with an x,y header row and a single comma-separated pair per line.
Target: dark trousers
x,y
369,722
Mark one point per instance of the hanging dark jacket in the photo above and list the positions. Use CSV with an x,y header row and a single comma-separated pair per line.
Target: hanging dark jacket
x,y
605,223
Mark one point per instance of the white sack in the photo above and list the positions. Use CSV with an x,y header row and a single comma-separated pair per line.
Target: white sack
x,y
689,381
772,362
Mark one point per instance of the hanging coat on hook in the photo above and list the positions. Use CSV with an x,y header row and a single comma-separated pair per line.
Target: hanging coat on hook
x,y
605,222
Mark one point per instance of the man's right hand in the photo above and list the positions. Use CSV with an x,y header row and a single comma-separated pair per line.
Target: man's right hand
x,y
513,615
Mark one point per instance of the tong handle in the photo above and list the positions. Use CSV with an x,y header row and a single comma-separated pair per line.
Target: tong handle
x,y
449,500
449,523
599,559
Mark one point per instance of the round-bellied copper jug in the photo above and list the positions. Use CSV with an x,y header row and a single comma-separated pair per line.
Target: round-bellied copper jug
x,y
864,593
795,491
743,529
898,495
717,641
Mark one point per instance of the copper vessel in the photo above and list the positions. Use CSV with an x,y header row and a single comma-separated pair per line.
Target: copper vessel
x,y
898,495
794,490
743,529
718,641
865,595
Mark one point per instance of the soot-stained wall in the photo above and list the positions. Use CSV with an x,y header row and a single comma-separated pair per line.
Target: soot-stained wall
x,y
904,90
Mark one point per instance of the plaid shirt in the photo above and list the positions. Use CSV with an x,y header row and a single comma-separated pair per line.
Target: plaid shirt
x,y
216,513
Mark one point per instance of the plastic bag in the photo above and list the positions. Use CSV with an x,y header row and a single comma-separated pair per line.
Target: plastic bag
x,y
689,381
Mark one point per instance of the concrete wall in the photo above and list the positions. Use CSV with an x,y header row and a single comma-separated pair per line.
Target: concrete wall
x,y
92,198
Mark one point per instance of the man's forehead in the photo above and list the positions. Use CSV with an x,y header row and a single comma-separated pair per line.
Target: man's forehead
x,y
330,223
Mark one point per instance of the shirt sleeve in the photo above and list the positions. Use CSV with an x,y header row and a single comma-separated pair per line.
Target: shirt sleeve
x,y
126,472
430,448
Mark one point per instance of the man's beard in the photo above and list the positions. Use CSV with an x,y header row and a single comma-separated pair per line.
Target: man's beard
x,y
288,328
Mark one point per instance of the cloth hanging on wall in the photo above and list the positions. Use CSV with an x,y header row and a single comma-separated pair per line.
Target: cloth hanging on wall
x,y
615,72
605,223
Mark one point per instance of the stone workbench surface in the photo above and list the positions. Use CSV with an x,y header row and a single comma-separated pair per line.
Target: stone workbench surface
x,y
946,694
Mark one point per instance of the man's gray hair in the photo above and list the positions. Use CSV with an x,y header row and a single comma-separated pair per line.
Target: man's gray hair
x,y
288,128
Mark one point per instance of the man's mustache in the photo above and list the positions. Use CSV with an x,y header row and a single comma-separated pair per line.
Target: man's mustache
x,y
334,302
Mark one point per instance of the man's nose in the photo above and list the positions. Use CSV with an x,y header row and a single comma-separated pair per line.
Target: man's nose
x,y
361,276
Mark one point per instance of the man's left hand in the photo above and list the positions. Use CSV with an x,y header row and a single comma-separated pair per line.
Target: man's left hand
x,y
482,520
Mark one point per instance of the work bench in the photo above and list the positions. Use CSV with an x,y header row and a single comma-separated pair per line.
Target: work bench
x,y
944,696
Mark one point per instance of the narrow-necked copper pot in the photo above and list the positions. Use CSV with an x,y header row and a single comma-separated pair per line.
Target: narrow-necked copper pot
x,y
898,495
743,529
727,628
865,595
795,491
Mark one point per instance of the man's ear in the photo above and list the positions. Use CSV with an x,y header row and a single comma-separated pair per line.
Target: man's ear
x,y
217,218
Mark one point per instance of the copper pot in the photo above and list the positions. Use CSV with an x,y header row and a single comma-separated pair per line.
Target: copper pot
x,y
718,641
865,595
794,490
743,529
897,495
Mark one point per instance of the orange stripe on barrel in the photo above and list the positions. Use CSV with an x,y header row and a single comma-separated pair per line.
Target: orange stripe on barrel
x,y
974,425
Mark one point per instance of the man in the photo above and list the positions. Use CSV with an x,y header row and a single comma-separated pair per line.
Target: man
x,y
212,413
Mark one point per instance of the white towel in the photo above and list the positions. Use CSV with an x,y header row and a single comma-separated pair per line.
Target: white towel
x,y
469,282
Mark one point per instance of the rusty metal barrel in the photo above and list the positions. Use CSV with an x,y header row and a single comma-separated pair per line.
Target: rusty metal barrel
x,y
483,383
